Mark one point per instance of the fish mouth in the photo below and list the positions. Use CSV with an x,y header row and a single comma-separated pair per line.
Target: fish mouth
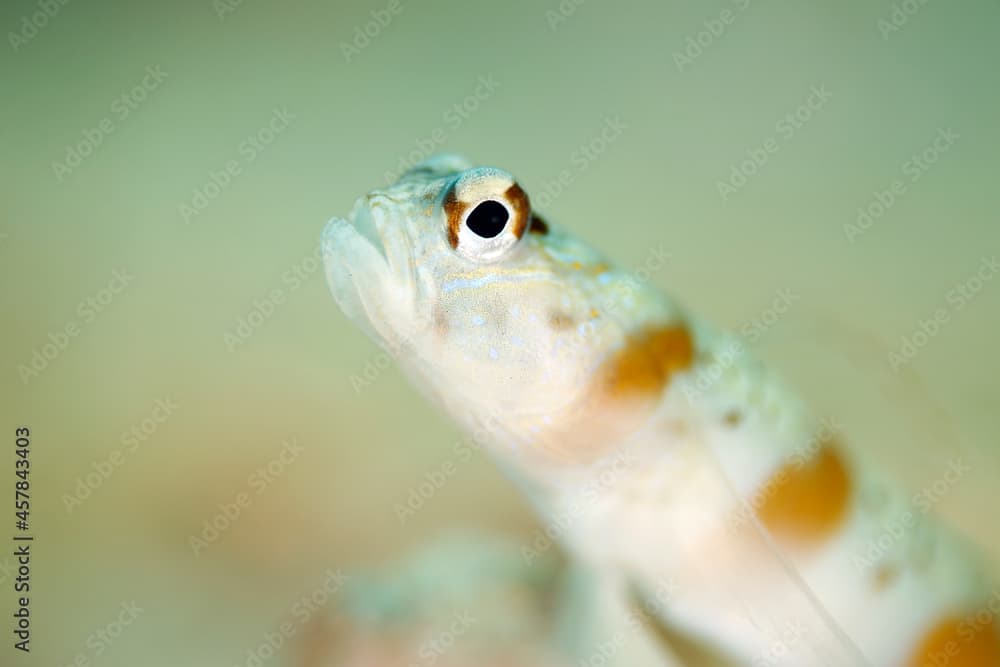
x,y
367,262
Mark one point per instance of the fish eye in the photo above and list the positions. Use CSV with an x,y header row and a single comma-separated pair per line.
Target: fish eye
x,y
488,218
486,214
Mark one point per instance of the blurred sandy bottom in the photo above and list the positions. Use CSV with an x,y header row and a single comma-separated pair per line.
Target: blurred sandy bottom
x,y
456,602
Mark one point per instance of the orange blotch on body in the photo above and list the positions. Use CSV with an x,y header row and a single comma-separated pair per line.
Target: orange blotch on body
x,y
954,642
804,503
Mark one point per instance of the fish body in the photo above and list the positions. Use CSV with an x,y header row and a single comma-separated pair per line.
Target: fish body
x,y
710,505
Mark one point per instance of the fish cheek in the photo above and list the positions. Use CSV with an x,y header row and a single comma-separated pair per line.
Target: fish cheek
x,y
622,393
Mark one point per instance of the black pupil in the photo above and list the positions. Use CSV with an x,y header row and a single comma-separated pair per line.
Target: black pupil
x,y
488,219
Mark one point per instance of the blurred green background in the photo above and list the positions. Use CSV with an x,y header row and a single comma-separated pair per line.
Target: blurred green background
x,y
121,121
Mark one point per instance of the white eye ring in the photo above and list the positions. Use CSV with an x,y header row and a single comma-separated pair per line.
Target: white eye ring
x,y
486,212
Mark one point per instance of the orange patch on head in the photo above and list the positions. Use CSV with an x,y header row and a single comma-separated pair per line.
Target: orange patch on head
x,y
646,362
955,642
453,210
805,503
522,208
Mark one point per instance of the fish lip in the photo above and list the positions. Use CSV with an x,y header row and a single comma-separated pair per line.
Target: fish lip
x,y
355,266
362,219
368,269
361,223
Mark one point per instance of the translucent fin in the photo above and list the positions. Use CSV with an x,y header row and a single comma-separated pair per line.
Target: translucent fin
x,y
801,628
752,599
740,589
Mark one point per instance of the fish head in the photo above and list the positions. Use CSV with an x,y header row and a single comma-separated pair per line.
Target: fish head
x,y
504,319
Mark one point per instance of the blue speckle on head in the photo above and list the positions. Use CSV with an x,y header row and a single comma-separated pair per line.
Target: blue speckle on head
x,y
462,282
515,310
517,341
494,354
604,278
478,320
